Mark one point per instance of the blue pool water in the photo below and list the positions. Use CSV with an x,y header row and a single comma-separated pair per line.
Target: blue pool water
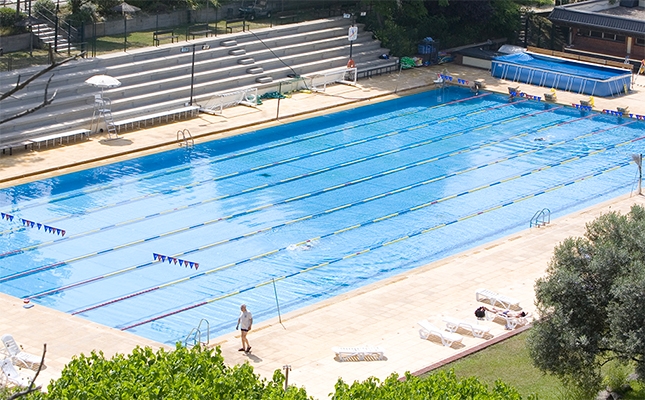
x,y
304,211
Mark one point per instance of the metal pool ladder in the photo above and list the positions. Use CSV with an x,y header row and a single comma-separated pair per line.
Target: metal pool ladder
x,y
186,138
195,335
541,218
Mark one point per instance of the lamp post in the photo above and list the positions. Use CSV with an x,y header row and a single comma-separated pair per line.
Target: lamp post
x,y
56,27
186,49
352,33
125,8
192,76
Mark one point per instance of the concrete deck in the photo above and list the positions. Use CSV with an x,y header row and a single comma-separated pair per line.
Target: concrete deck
x,y
382,314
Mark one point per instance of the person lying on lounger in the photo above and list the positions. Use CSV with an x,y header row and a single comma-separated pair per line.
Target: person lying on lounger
x,y
506,314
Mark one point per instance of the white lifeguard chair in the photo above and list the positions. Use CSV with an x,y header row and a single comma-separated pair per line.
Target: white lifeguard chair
x,y
103,114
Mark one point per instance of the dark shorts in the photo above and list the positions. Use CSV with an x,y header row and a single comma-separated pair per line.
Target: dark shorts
x,y
245,330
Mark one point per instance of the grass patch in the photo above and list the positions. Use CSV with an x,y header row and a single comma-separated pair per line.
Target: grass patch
x,y
111,44
510,362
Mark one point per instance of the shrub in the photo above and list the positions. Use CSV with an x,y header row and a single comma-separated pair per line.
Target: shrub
x,y
8,20
180,374
440,385
88,12
45,7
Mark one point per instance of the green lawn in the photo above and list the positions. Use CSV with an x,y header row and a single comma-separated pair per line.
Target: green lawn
x,y
110,44
510,362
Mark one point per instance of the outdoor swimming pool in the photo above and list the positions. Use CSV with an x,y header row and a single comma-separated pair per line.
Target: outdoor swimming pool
x,y
305,211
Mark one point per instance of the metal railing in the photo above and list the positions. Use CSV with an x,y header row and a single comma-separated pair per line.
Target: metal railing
x,y
541,218
63,29
186,138
195,335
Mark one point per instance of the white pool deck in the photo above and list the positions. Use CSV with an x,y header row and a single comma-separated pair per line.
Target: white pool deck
x,y
383,314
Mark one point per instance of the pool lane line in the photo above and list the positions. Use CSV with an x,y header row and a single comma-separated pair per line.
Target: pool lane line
x,y
445,155
22,274
241,154
264,186
346,229
375,247
391,133
58,264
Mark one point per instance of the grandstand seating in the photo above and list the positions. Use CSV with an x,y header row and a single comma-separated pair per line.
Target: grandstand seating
x,y
159,78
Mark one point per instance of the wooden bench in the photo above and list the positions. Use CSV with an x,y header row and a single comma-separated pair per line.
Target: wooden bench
x,y
234,23
163,35
184,112
198,29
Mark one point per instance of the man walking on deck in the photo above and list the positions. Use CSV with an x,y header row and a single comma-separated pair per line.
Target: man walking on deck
x,y
244,323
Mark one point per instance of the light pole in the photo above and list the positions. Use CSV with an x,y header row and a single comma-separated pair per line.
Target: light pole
x,y
56,27
352,34
125,9
192,67
192,76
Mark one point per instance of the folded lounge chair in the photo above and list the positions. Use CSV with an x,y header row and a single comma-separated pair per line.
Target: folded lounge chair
x,y
493,298
18,356
346,353
447,338
477,330
11,375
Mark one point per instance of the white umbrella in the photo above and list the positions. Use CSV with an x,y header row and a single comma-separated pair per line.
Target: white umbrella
x,y
103,81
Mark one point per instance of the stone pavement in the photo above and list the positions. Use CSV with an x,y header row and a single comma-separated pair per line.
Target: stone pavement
x,y
382,314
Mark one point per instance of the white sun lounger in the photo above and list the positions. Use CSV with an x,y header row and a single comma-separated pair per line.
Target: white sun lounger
x,y
370,352
511,322
477,330
493,298
447,338
19,357
11,375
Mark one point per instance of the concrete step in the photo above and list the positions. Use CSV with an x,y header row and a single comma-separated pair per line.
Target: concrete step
x,y
158,79
209,70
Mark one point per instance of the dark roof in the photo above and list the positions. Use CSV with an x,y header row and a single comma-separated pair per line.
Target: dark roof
x,y
601,15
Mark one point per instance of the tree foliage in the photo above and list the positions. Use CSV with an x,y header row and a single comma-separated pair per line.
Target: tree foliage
x,y
402,24
180,374
199,373
442,385
591,302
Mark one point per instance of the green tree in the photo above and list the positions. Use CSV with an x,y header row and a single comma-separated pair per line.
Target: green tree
x,y
199,373
442,385
180,374
591,302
